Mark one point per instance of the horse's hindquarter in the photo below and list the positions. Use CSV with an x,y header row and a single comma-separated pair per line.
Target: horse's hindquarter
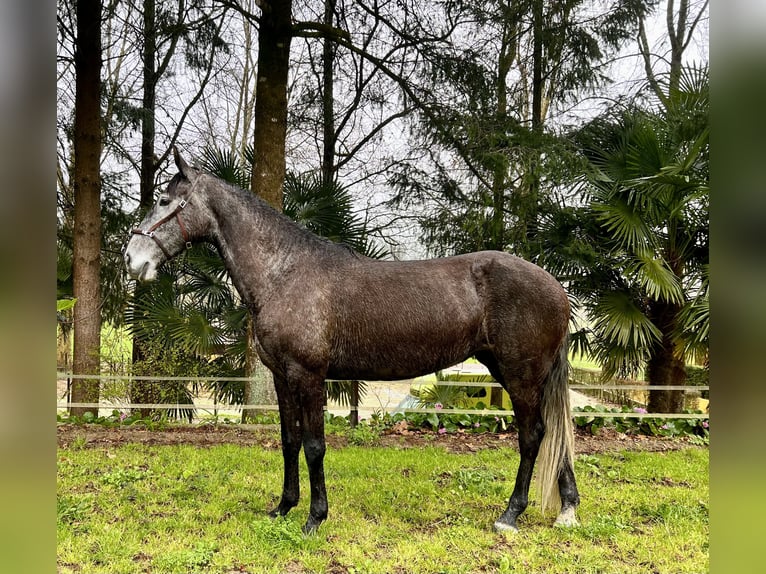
x,y
393,320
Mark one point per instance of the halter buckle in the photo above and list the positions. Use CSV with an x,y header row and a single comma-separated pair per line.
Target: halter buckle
x,y
182,204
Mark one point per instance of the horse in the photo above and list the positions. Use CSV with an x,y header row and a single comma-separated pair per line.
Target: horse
x,y
322,311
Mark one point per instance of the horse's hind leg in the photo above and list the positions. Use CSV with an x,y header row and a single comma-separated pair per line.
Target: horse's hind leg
x,y
529,418
290,423
570,498
531,430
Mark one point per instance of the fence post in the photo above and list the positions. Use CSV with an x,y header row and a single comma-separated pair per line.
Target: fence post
x,y
354,415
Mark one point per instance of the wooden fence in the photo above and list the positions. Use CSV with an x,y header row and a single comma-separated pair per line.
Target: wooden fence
x,y
204,402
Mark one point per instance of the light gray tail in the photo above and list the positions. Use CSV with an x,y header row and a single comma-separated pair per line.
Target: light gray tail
x,y
557,446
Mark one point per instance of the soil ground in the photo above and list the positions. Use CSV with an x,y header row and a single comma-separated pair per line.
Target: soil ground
x,y
267,436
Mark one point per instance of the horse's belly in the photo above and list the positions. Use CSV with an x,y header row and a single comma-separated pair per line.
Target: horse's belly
x,y
394,358
387,372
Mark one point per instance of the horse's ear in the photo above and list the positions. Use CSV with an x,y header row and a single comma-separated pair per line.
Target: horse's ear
x,y
182,166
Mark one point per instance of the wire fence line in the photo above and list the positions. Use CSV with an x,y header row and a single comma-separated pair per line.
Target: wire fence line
x,y
410,382
218,407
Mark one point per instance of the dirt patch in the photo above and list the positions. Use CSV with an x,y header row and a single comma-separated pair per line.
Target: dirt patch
x,y
267,436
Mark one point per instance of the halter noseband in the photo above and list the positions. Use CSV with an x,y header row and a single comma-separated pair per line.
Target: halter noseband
x,y
176,213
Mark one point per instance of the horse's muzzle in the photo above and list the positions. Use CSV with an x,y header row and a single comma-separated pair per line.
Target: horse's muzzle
x,y
139,268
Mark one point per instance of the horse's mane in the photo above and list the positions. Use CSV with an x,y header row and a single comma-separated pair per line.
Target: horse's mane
x,y
268,214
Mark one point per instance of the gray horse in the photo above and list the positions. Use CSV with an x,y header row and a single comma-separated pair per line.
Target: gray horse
x,y
322,312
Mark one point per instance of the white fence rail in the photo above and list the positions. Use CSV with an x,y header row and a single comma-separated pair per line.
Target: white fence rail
x,y
217,407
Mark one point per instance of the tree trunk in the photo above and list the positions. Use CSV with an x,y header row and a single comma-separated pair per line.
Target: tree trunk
x,y
142,392
270,115
148,104
259,388
270,127
328,100
538,89
537,65
505,60
86,261
665,366
354,403
63,347
677,36
145,392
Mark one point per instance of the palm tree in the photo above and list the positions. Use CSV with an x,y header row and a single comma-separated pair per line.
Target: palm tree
x,y
636,254
327,210
190,323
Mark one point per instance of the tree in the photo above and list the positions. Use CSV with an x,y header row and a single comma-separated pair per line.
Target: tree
x,y
500,81
86,250
680,26
110,216
636,254
270,116
275,35
194,29
164,30
171,36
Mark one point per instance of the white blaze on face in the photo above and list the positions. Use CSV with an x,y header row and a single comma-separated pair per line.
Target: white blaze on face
x,y
141,257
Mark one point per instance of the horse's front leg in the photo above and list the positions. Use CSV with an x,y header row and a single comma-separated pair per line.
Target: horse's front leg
x,y
290,423
312,403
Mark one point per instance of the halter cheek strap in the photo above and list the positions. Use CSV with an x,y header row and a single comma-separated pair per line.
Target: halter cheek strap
x,y
176,213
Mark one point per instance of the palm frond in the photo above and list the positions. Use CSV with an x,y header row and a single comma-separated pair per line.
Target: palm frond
x,y
655,277
580,340
694,329
342,391
448,396
624,223
617,319
226,165
327,211
693,325
322,209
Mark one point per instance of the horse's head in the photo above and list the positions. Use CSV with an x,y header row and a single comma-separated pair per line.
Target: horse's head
x,y
173,222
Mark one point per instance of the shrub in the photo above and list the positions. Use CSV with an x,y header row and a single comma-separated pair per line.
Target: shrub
x,y
588,419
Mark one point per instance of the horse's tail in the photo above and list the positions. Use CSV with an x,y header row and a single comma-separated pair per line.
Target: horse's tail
x,y
557,446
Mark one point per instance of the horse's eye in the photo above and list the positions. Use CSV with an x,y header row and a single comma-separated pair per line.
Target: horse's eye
x,y
164,200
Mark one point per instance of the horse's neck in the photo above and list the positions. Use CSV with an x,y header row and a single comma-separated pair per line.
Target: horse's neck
x,y
258,246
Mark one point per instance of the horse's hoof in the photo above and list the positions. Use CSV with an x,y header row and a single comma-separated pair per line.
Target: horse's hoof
x,y
502,527
282,509
311,526
567,518
278,512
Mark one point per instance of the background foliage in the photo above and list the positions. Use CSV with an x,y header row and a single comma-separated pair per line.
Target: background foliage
x,y
421,128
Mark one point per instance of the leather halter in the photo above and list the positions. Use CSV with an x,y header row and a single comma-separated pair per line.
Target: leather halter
x,y
176,213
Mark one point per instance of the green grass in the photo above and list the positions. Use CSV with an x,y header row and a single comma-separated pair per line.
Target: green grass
x,y
579,361
139,508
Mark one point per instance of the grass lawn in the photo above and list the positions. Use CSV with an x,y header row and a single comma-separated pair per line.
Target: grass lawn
x,y
182,508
